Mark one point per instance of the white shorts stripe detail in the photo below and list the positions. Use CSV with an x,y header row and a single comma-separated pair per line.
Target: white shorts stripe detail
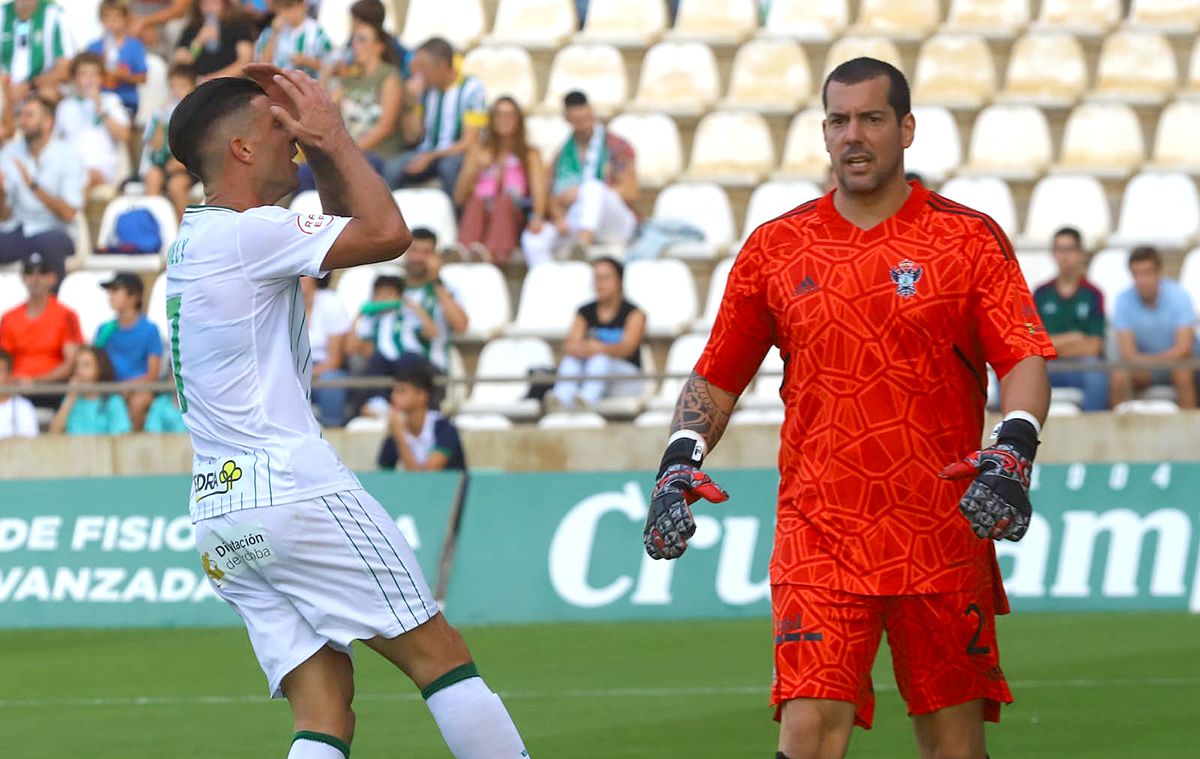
x,y
392,548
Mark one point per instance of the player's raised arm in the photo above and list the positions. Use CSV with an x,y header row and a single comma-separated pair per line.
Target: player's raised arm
x,y
347,184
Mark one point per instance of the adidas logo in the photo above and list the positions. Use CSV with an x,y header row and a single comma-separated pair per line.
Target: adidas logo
x,y
806,286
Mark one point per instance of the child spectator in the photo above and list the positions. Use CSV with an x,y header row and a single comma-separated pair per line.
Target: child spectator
x,y
218,40
132,343
419,438
293,40
123,54
94,121
91,412
159,168
17,417
502,181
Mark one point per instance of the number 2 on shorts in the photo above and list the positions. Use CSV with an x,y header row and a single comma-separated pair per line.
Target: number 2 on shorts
x,y
972,647
173,317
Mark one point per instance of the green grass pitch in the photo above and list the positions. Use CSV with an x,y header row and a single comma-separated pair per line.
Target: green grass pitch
x,y
1087,685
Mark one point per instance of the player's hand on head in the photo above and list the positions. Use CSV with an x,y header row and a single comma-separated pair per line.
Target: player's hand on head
x,y
669,523
996,503
301,104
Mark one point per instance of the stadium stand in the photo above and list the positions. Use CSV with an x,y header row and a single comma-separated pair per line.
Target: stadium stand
x,y
656,143
804,155
855,47
991,195
12,290
1038,268
461,22
1046,69
504,70
716,22
1067,200
775,198
1175,146
679,79
1010,141
936,151
571,420
716,289
1109,272
507,357
353,286
81,291
1136,67
704,205
1159,208
596,69
168,228
770,76
1179,17
1189,277
732,148
1102,139
625,23
483,294
550,295
1090,18
429,207
664,290
807,20
996,19
955,71
681,357
909,21
534,24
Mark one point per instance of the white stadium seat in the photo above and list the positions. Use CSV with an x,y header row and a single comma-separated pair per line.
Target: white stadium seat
x,y
681,359
804,154
482,422
83,23
1175,144
954,70
431,208
625,23
770,76
154,93
12,290
572,420
1169,16
1192,86
936,150
701,204
1084,17
1136,67
1104,139
1109,272
596,69
1189,277
353,286
168,228
1010,141
1038,268
534,24
504,70
81,291
1000,19
1047,69
508,357
719,22
678,78
775,198
1159,208
910,20
665,291
807,20
483,294
156,306
375,425
732,148
548,133
1067,200
334,18
460,22
655,140
550,295
716,290
848,48
764,391
991,195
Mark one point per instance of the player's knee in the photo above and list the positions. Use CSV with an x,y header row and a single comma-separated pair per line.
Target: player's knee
x,y
337,721
953,747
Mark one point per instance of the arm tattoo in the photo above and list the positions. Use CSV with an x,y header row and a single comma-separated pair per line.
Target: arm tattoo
x,y
703,408
331,185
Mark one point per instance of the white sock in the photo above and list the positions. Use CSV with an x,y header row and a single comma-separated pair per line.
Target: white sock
x,y
309,745
473,720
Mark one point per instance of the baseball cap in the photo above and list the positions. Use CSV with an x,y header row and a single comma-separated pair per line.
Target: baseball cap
x,y
127,281
35,263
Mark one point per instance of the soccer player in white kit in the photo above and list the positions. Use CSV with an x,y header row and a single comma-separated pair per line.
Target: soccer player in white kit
x,y
285,532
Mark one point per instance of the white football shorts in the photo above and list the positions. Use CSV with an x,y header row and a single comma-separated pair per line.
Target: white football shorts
x,y
303,575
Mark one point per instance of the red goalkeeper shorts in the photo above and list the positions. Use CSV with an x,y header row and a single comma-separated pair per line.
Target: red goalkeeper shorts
x,y
943,648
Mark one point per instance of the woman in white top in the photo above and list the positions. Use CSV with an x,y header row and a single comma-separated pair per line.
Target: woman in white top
x,y
17,417
328,326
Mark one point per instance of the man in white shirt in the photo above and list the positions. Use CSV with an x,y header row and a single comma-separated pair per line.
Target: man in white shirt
x,y
285,531
41,190
17,417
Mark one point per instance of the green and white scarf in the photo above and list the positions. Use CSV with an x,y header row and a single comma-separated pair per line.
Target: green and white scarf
x,y
30,48
571,169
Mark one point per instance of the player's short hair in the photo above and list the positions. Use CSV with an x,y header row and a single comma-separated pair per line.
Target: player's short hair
x,y
182,71
1145,253
120,6
414,370
6,359
370,12
438,49
858,70
199,115
388,280
425,233
86,59
1071,232
617,266
574,98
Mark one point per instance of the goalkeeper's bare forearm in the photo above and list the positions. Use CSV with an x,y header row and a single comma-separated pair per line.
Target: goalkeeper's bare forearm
x,y
1026,387
704,409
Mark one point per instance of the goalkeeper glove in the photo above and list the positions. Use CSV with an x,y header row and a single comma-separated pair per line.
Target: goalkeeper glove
x,y
670,524
997,502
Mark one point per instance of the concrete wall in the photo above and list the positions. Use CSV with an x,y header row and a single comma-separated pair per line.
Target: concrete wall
x,y
1094,437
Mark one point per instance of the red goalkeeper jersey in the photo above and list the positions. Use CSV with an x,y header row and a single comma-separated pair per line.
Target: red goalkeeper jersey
x,y
884,335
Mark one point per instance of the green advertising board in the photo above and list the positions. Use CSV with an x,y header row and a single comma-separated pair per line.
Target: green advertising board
x,y
119,551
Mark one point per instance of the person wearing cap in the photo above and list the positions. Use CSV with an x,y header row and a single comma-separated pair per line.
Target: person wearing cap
x,y
419,438
41,190
132,342
42,335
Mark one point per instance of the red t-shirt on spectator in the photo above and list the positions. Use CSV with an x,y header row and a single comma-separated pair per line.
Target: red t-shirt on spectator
x,y
37,344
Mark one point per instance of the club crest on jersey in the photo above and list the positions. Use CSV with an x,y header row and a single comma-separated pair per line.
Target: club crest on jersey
x,y
906,275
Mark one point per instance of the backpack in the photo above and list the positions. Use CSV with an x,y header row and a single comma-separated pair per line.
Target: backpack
x,y
136,231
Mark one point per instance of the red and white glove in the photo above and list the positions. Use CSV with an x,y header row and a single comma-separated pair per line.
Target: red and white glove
x,y
669,523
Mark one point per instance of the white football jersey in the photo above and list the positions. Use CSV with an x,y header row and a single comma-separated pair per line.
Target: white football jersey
x,y
241,358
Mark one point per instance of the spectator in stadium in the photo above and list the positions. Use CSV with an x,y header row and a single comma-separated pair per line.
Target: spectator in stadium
x,y
1072,311
42,335
150,17
605,339
370,13
132,343
159,168
95,122
35,48
1155,321
89,412
328,329
17,417
502,183
419,438
218,40
164,416
593,186
41,190
293,40
453,113
123,54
